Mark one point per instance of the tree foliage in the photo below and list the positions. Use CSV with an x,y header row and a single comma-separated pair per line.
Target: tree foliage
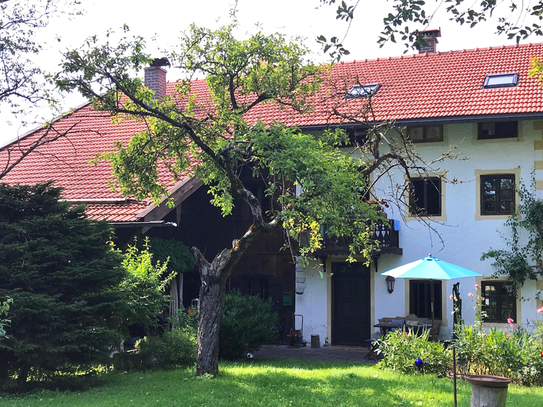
x,y
24,85
23,82
407,18
63,278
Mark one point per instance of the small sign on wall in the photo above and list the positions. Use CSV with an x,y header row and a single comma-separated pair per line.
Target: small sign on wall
x,y
287,299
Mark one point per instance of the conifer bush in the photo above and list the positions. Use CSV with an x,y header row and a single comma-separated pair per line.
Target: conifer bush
x,y
63,278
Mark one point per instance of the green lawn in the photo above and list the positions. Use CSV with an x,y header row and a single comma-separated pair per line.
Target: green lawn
x,y
270,384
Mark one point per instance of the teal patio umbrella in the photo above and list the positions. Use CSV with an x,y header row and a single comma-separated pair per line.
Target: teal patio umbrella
x,y
432,268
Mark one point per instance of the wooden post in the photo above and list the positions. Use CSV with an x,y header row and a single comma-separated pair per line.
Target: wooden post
x,y
315,341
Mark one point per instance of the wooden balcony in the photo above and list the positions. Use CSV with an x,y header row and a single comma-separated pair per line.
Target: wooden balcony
x,y
388,237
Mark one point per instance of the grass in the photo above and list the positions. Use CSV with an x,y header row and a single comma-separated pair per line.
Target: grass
x,y
270,384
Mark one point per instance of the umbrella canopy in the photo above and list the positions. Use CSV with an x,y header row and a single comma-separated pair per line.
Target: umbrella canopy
x,y
430,268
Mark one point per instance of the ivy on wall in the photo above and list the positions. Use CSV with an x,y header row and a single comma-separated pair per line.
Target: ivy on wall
x,y
522,260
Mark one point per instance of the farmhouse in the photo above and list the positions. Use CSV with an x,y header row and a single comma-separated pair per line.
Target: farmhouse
x,y
478,105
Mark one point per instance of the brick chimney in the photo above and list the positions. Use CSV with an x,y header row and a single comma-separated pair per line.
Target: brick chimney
x,y
430,36
155,77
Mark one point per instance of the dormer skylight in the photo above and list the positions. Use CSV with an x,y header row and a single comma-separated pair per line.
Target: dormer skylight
x,y
502,80
363,91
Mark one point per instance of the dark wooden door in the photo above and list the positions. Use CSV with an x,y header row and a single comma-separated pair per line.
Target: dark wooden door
x,y
351,303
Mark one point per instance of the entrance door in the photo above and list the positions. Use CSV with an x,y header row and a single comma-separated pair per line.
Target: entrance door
x,y
351,305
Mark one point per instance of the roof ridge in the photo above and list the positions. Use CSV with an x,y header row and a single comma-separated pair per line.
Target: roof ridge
x,y
437,53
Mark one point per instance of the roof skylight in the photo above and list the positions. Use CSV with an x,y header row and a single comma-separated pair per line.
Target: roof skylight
x,y
363,91
502,80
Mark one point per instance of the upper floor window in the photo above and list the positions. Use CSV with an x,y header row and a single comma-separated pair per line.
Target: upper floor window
x,y
363,91
499,302
422,134
491,130
425,196
497,194
502,80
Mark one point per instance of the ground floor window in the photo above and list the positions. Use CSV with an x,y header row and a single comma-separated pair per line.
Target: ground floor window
x,y
500,302
420,298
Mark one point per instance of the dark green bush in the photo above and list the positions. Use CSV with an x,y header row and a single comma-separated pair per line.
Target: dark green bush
x,y
247,323
175,348
64,278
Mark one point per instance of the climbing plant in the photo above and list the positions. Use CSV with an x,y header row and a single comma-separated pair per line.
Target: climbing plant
x,y
522,260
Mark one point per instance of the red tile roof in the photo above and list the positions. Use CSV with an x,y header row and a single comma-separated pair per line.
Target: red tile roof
x,y
425,86
67,162
417,87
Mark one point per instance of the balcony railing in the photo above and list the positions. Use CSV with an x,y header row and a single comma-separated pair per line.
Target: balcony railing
x,y
386,233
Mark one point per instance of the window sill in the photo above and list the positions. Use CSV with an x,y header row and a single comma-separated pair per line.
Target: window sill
x,y
431,218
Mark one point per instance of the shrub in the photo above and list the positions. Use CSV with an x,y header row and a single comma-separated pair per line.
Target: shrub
x,y
175,348
186,320
515,354
247,323
402,349
144,286
63,277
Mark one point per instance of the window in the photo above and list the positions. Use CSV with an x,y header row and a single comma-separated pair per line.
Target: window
x,y
420,298
503,80
356,135
425,196
259,286
499,302
425,134
492,130
497,194
363,91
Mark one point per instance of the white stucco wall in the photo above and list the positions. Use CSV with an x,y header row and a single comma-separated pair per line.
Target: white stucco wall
x,y
312,304
460,239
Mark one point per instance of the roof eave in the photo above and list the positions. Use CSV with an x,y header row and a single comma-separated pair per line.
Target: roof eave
x,y
435,120
179,192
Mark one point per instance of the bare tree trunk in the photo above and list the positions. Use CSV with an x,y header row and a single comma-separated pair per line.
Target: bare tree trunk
x,y
213,278
209,318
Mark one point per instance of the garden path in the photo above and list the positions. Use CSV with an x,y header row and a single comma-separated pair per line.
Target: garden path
x,y
354,354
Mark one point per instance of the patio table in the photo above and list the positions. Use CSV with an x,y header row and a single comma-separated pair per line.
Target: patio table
x,y
387,327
